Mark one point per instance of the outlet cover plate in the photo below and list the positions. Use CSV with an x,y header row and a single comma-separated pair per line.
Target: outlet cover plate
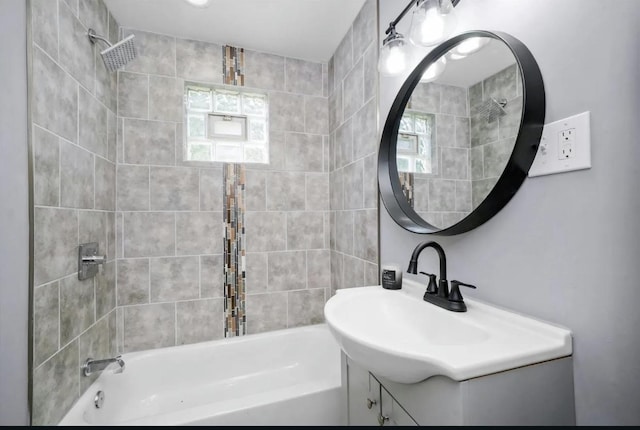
x,y
547,159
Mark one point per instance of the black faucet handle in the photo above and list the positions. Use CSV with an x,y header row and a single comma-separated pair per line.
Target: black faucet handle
x,y
454,295
432,288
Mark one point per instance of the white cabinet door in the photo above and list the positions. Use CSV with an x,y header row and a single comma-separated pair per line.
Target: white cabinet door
x,y
364,397
392,413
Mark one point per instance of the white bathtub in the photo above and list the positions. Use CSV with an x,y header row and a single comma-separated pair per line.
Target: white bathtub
x,y
286,377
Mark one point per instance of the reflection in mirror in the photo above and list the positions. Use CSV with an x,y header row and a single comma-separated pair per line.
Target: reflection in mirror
x,y
458,130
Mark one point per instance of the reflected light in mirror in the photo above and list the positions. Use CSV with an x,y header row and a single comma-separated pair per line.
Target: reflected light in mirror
x,y
434,71
198,3
393,57
468,47
432,22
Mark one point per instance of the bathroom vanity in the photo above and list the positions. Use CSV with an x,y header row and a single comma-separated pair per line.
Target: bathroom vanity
x,y
407,361
540,394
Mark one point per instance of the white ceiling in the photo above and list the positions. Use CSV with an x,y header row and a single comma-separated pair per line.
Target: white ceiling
x,y
305,29
470,70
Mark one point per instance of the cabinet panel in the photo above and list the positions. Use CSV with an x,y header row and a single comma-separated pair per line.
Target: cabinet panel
x,y
392,410
364,398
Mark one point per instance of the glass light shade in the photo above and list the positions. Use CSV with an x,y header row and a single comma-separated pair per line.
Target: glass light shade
x,y
433,21
198,3
393,57
468,47
434,70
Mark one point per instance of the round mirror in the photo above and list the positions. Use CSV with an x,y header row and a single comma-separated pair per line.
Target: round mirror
x,y
462,134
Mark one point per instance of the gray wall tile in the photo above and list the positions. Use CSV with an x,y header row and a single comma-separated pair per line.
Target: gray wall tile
x,y
463,196
454,101
111,236
149,326
353,272
482,131
287,270
509,125
199,61
133,95
174,188
496,156
46,168
481,189
317,191
353,185
477,162
264,71
304,152
199,233
55,386
371,276
45,29
133,282
271,226
266,312
452,218
93,124
337,271
455,163
174,278
94,343
106,290
343,58
442,195
285,191
344,144
55,97
365,139
325,79
426,97
335,108
285,113
76,177
55,244
316,115
166,98
371,181
344,232
46,323
211,189
475,95
305,307
149,234
133,188
94,14
92,227
106,84
305,230
353,90
364,28
212,276
156,53
421,195
365,237
256,190
502,84
105,193
303,77
318,268
256,272
370,72
77,302
75,49
199,321
445,130
463,136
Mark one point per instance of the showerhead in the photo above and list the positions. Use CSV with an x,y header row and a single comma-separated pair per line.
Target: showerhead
x,y
493,109
115,56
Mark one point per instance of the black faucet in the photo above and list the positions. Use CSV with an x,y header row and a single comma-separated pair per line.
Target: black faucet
x,y
438,292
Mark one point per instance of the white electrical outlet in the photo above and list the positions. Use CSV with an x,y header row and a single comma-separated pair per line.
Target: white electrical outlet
x,y
565,146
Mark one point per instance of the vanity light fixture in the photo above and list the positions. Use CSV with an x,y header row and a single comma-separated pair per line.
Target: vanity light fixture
x,y
433,21
434,71
198,3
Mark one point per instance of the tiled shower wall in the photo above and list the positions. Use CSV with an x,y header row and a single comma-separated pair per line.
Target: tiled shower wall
x,y
432,193
169,211
353,155
73,105
492,142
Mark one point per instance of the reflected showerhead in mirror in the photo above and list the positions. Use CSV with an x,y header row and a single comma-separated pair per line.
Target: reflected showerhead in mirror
x,y
492,109
115,56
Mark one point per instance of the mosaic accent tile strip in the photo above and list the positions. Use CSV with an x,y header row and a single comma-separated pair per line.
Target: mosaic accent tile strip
x,y
235,321
233,65
406,182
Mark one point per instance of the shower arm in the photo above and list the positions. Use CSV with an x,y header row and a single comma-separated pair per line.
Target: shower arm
x,y
93,36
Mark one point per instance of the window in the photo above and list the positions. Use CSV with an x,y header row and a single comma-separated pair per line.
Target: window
x,y
228,125
415,145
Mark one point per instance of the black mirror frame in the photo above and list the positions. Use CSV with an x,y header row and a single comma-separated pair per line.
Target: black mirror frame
x,y
517,168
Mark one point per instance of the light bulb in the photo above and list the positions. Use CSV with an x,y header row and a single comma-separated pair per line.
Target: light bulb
x,y
468,47
434,70
198,3
393,57
433,21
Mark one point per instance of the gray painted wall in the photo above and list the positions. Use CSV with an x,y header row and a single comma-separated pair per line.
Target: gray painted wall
x,y
565,249
14,214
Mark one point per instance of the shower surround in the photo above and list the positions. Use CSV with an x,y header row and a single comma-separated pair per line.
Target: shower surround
x,y
109,167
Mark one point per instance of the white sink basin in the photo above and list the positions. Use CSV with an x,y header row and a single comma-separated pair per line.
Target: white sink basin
x,y
397,335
